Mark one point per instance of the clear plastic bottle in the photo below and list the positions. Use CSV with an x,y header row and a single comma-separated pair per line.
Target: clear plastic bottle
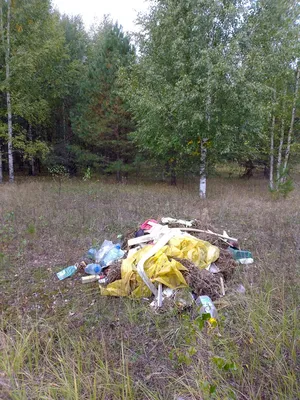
x,y
114,254
65,273
91,254
93,269
90,278
207,306
120,240
105,247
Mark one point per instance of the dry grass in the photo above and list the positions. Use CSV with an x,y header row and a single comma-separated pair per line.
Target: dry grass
x,y
62,340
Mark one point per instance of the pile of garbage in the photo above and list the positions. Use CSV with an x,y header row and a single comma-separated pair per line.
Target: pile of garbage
x,y
164,261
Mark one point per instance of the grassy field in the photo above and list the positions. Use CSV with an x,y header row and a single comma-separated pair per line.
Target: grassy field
x,y
62,340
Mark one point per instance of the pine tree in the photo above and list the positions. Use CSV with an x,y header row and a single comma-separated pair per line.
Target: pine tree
x,y
101,120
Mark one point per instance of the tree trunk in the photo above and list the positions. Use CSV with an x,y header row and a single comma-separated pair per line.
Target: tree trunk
x,y
64,121
1,169
118,175
118,171
173,181
203,151
173,178
8,99
266,171
3,45
289,139
272,154
249,168
1,26
278,174
272,134
38,162
32,165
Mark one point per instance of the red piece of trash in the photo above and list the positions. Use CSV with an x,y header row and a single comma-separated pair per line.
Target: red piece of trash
x,y
145,226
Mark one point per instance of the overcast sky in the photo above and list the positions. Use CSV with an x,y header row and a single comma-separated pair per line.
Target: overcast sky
x,y
125,11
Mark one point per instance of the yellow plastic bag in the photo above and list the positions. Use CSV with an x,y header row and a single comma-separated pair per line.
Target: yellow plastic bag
x,y
200,252
161,268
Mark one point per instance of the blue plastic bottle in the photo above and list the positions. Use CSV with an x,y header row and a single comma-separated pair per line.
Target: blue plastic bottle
x,y
114,254
93,269
65,273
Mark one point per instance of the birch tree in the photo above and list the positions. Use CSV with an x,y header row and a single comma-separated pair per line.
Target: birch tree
x,y
291,129
269,46
175,88
281,140
7,48
272,153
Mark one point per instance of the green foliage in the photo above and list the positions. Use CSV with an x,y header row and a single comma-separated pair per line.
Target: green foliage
x,y
87,175
208,389
30,148
209,70
59,172
100,119
38,48
215,70
36,75
224,365
185,72
59,175
284,187
186,344
31,229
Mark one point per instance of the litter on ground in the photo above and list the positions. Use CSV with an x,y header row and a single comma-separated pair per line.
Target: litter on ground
x,y
171,262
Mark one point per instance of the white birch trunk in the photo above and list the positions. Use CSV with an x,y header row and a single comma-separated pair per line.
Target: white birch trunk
x,y
289,138
203,148
281,143
272,154
8,99
202,187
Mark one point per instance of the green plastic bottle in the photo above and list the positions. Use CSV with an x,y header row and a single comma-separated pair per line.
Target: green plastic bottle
x,y
67,272
242,256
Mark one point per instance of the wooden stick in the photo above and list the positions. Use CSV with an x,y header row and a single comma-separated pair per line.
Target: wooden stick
x,y
209,233
159,296
222,286
168,220
140,239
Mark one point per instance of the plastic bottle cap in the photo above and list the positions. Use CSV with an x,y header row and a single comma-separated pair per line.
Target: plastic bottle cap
x,y
118,246
97,269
